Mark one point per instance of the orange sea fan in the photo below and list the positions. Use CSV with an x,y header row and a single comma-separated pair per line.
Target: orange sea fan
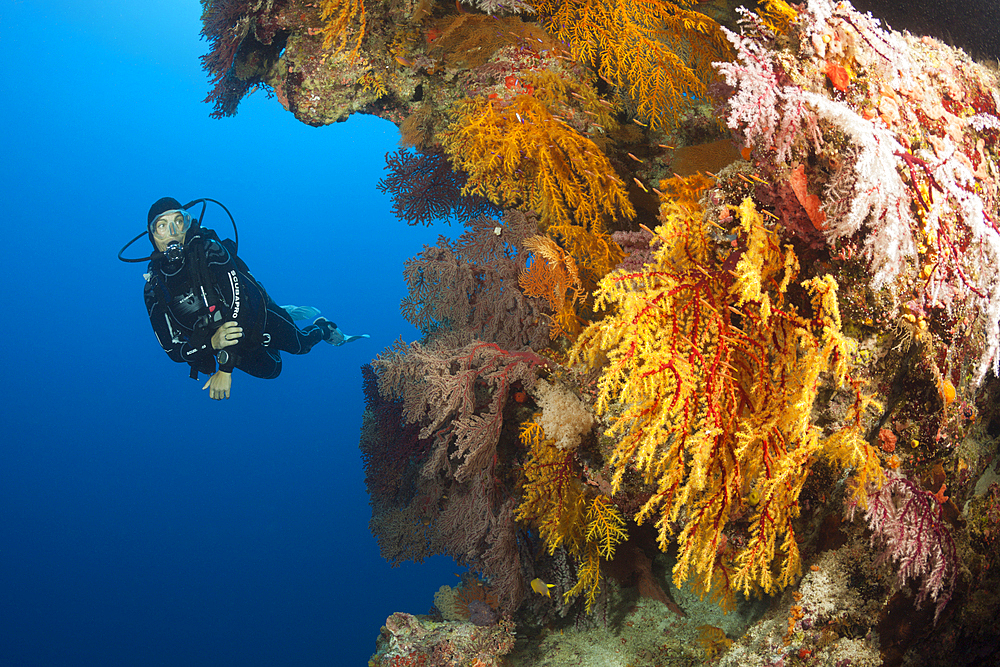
x,y
553,276
471,592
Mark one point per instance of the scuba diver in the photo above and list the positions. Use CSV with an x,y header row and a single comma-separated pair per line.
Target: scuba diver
x,y
207,308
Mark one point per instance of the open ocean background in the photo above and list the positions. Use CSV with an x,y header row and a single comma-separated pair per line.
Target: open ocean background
x,y
140,522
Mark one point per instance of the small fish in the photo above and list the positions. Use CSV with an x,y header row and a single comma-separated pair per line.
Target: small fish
x,y
541,587
639,183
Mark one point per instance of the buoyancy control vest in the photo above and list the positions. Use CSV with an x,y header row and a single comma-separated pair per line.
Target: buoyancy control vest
x,y
192,296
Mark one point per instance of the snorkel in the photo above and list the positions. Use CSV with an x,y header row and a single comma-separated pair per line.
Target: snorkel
x,y
177,225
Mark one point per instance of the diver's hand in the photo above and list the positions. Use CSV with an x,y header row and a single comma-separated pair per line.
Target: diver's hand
x,y
219,384
226,335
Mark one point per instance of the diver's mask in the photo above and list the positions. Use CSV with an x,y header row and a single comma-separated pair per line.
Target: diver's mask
x,y
169,230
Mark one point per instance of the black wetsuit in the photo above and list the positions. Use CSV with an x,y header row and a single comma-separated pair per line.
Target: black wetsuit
x,y
184,326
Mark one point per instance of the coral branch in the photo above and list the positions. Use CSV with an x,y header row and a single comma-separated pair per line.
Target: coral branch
x,y
425,188
907,524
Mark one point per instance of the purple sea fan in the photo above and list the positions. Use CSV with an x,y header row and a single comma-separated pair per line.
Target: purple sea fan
x,y
907,524
482,614
637,248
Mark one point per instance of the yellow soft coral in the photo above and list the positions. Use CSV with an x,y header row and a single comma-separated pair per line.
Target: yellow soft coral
x,y
339,15
759,266
658,53
715,385
595,252
553,495
605,526
588,576
554,502
777,14
520,153
605,530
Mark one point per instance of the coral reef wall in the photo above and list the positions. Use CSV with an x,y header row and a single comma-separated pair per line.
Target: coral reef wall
x,y
710,372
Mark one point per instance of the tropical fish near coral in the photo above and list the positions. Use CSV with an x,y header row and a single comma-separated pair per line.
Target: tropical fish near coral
x,y
541,587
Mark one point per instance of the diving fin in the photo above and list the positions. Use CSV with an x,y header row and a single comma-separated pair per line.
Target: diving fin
x,y
351,339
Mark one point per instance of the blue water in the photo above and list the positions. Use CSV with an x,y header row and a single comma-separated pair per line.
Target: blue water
x,y
140,522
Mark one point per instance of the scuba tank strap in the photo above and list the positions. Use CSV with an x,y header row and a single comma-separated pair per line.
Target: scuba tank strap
x,y
203,282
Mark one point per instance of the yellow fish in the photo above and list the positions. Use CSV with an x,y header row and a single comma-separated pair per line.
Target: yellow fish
x,y
541,587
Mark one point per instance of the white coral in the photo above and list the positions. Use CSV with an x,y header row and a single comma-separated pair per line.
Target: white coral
x,y
978,264
565,418
766,113
879,195
825,590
